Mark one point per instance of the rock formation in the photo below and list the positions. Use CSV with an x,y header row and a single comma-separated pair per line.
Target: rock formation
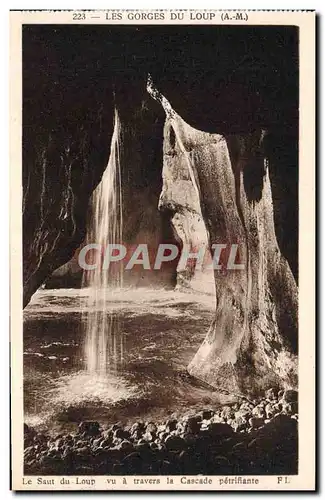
x,y
179,196
67,126
253,339
236,127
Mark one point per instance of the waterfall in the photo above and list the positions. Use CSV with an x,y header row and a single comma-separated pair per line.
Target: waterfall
x,y
103,339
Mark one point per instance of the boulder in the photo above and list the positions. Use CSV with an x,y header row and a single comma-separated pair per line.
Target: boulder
x,y
290,396
90,428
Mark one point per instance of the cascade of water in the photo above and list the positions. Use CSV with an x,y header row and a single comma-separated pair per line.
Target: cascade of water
x,y
103,339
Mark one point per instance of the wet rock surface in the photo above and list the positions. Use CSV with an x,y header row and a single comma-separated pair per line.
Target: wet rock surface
x,y
249,437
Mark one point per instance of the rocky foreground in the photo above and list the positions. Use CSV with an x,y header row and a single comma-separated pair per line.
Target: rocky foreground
x,y
258,437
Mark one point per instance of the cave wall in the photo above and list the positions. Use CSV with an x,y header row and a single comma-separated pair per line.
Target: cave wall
x,y
252,341
229,79
71,79
67,126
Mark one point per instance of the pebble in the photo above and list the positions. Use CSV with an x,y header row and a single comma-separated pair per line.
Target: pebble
x,y
242,414
171,425
151,428
121,434
126,445
290,396
256,422
148,436
207,414
242,437
175,443
192,425
270,394
90,428
240,423
258,412
227,413
221,430
137,426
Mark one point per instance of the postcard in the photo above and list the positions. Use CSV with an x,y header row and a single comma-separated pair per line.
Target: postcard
x,y
162,250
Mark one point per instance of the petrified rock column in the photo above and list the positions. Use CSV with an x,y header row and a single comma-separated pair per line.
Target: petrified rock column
x,y
180,198
252,341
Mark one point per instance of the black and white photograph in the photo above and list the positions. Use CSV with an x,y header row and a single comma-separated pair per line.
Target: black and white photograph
x,y
160,201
